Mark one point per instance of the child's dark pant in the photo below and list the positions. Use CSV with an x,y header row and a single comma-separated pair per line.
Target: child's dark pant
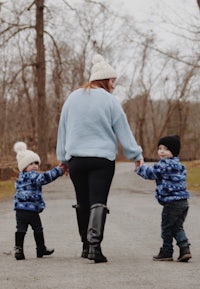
x,y
173,217
26,218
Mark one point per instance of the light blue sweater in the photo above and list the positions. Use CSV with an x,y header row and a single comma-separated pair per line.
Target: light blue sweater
x,y
91,122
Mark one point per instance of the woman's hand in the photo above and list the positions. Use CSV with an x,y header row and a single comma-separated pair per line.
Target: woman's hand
x,y
65,169
138,164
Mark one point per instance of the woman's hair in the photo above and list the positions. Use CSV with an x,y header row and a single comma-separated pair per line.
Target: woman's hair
x,y
103,83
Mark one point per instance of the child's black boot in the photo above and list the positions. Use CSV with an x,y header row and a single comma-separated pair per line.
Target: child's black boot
x,y
85,250
185,254
163,256
41,248
19,244
19,253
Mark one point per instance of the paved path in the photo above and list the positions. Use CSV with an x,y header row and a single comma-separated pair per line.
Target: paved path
x,y
132,236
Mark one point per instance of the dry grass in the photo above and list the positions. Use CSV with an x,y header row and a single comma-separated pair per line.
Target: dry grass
x,y
6,189
193,176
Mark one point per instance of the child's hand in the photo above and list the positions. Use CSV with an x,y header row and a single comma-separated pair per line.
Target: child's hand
x,y
64,168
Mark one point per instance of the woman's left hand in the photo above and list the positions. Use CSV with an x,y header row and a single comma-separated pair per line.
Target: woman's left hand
x,y
138,164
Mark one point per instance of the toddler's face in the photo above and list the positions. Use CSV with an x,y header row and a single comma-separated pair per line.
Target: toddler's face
x,y
32,167
164,152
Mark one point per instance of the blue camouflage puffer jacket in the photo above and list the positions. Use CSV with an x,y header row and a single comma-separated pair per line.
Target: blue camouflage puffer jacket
x,y
170,177
29,189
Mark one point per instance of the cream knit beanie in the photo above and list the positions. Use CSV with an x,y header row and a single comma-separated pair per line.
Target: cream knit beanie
x,y
24,157
101,69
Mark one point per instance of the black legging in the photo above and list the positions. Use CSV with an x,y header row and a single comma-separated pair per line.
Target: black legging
x,y
92,178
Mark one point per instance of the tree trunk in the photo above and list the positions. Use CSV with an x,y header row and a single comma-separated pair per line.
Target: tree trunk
x,y
41,78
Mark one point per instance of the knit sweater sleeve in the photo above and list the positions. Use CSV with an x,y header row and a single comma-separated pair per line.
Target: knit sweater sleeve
x,y
61,137
123,132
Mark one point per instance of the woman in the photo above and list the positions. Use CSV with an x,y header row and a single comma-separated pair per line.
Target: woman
x,y
91,122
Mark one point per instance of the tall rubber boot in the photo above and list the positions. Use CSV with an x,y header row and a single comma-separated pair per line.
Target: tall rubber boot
x,y
19,245
41,248
82,214
96,226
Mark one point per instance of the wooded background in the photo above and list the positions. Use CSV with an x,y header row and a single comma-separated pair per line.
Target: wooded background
x,y
46,52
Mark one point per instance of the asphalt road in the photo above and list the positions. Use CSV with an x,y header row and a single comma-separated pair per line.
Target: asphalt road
x,y
131,238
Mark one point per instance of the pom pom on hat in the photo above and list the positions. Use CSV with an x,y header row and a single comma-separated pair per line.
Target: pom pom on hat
x,y
20,146
97,58
24,156
101,69
172,142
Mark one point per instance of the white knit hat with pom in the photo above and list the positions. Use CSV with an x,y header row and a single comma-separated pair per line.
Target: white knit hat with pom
x,y
24,157
101,69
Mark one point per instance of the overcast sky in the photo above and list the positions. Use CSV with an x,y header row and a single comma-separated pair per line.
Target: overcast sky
x,y
154,14
144,9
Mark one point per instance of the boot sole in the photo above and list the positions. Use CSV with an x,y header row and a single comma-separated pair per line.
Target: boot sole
x,y
100,261
163,259
97,259
184,258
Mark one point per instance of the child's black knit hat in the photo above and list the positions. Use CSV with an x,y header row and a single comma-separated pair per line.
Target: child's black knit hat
x,y
172,142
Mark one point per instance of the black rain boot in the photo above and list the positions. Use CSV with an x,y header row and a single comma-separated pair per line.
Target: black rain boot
x,y
185,254
85,250
82,214
19,245
96,225
163,256
41,248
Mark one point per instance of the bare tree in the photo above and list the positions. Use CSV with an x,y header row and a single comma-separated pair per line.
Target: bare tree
x,y
41,81
198,3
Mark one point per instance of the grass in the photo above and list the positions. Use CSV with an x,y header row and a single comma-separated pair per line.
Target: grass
x,y
193,181
193,176
7,189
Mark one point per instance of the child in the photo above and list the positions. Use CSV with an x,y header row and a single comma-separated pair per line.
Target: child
x,y
170,177
28,200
